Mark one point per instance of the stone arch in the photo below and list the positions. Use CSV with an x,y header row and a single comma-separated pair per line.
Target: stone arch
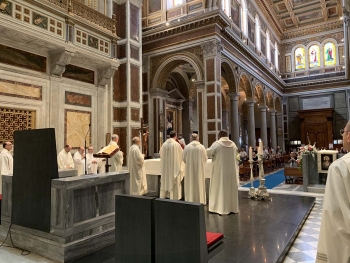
x,y
245,85
278,105
259,95
227,69
170,63
179,81
269,98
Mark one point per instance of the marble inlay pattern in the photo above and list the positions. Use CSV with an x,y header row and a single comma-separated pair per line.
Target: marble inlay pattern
x,y
76,128
20,90
73,98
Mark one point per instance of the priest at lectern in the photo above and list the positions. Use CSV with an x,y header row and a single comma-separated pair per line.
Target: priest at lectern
x,y
79,161
116,159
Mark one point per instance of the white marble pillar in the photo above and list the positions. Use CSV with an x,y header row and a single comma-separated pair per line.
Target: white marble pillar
x,y
251,123
187,116
280,132
234,122
273,129
263,125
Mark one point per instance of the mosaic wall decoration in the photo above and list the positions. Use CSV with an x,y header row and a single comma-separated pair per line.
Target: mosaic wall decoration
x,y
20,90
83,38
20,58
78,99
6,7
39,20
15,120
80,74
76,127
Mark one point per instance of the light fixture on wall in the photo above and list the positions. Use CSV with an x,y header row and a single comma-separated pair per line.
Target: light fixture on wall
x,y
167,24
341,18
193,79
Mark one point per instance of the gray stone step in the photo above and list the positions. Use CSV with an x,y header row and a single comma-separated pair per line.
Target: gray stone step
x,y
316,188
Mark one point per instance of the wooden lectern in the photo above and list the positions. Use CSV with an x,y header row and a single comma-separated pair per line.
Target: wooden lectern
x,y
107,152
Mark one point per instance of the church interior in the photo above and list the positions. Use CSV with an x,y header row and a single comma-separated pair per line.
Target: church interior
x,y
269,71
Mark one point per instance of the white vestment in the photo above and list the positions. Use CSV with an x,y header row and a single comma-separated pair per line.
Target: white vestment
x,y
223,193
334,239
91,166
116,160
171,169
195,157
79,163
65,160
6,165
182,142
138,181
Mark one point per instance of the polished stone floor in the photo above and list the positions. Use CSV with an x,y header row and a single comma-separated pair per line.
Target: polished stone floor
x,y
261,232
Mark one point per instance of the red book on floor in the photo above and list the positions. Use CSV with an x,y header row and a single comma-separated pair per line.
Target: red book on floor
x,y
0,197
213,238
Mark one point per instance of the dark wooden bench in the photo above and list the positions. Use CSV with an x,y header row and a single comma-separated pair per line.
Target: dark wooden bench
x,y
293,172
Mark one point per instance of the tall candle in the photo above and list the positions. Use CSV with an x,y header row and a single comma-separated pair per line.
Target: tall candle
x,y
260,147
250,154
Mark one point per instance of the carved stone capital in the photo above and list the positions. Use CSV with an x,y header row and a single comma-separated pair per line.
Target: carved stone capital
x,y
104,74
59,60
284,99
212,48
346,16
199,85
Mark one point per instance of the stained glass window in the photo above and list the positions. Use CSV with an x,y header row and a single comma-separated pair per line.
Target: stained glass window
x,y
329,54
299,57
314,56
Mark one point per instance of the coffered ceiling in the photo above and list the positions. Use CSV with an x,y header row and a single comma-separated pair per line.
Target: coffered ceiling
x,y
290,14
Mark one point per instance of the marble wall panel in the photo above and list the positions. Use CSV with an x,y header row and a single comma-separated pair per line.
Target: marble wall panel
x,y
20,90
210,69
119,114
20,58
120,12
134,52
78,99
135,114
80,74
144,82
121,51
211,107
341,55
340,100
211,139
211,126
135,83
293,103
122,133
135,132
218,107
210,88
145,113
134,22
154,6
76,126
119,84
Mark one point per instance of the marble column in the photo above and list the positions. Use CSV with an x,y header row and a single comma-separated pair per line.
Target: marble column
x,y
202,126
251,123
263,125
280,133
158,116
187,116
234,122
179,119
273,129
212,92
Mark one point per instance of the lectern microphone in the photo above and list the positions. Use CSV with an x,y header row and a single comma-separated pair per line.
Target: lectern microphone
x,y
85,148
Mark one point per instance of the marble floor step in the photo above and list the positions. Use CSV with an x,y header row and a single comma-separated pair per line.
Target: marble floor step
x,y
316,188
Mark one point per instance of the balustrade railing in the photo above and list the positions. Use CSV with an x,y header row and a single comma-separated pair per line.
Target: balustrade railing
x,y
76,8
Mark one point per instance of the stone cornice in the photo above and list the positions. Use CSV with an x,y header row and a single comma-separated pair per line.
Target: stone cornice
x,y
312,29
210,18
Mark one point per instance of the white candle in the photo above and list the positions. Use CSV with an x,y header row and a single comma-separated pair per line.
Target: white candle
x,y
250,154
260,148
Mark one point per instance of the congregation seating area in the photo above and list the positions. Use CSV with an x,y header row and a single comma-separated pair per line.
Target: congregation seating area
x,y
269,165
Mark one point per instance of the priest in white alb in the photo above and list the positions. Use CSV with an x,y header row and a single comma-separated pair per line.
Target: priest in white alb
x,y
65,159
117,159
334,239
223,192
171,168
195,157
138,181
91,161
79,161
6,162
